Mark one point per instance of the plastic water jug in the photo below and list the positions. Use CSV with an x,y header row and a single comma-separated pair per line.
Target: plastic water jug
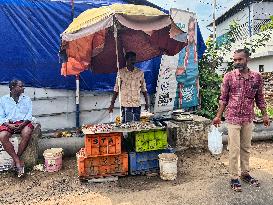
x,y
215,140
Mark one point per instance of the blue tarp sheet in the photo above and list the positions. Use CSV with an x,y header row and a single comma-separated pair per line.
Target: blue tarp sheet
x,y
29,45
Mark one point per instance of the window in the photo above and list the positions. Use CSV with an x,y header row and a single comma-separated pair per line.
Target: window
x,y
261,68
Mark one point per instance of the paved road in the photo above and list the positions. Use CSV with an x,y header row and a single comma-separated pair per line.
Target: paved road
x,y
214,191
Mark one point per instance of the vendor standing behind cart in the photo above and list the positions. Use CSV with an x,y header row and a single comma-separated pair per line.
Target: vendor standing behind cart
x,y
132,82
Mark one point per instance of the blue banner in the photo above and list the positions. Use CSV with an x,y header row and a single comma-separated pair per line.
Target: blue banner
x,y
30,40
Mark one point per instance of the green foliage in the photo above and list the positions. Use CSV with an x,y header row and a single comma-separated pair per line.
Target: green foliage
x,y
269,112
210,81
259,41
268,26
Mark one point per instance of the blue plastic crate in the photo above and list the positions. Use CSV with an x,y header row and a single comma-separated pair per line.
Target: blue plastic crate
x,y
144,162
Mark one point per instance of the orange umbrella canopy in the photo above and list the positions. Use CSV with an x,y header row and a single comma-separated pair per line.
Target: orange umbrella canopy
x,y
89,42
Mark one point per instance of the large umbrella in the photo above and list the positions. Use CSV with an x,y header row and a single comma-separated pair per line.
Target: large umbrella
x,y
98,38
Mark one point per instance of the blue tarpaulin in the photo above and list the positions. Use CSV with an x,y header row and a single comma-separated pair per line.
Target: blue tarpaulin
x,y
29,45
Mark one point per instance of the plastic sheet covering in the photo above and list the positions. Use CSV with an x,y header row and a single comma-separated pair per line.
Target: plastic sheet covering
x,y
30,39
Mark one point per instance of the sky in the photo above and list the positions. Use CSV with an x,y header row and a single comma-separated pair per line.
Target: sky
x,y
203,9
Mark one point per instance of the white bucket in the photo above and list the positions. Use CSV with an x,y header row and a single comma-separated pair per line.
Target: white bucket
x,y
168,166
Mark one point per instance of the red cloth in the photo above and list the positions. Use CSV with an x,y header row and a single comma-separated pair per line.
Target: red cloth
x,y
239,95
6,128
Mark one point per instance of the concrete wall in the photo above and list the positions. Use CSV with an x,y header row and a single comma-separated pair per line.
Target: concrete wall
x,y
241,18
190,134
262,55
55,108
261,10
267,61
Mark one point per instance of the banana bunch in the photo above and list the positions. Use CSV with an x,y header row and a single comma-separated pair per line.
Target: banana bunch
x,y
118,120
63,134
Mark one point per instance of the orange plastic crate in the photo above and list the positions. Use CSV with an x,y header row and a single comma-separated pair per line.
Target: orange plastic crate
x,y
100,166
102,144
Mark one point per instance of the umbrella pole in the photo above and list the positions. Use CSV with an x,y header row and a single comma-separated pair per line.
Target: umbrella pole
x,y
118,76
77,81
77,101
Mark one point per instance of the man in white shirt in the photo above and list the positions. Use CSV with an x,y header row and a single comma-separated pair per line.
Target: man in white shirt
x,y
15,118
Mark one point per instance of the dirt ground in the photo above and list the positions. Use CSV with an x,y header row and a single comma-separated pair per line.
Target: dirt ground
x,y
202,179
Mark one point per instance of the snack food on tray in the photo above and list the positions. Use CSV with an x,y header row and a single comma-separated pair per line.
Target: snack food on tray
x,y
146,116
137,125
118,120
97,128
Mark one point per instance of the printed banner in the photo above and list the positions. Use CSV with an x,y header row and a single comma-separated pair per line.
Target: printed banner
x,y
178,80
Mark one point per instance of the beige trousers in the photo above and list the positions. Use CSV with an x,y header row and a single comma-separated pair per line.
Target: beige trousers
x,y
239,144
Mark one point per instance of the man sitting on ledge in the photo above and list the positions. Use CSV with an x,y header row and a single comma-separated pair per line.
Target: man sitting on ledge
x,y
15,118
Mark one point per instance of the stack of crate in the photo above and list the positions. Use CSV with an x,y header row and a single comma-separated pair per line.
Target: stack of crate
x,y
102,156
147,145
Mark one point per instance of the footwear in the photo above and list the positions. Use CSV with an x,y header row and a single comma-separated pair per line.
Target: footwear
x,y
20,171
12,166
250,180
236,185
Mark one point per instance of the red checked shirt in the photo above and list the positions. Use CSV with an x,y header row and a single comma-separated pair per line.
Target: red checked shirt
x,y
239,94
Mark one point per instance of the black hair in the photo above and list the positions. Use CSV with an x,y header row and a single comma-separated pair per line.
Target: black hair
x,y
13,83
130,54
244,50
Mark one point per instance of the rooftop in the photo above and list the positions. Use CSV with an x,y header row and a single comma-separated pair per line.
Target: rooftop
x,y
235,9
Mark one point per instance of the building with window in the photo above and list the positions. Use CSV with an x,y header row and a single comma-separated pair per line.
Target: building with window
x,y
249,16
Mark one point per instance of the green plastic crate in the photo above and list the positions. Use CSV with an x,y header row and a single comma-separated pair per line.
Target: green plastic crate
x,y
152,145
162,139
160,135
149,136
150,140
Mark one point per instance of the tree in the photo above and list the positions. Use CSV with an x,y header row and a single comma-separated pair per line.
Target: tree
x,y
268,25
210,81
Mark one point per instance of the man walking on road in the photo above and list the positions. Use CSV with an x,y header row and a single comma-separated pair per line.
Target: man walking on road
x,y
240,89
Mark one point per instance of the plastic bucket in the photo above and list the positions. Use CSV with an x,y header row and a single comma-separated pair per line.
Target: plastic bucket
x,y
168,166
53,159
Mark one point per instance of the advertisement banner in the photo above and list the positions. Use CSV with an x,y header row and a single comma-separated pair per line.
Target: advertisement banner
x,y
178,80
